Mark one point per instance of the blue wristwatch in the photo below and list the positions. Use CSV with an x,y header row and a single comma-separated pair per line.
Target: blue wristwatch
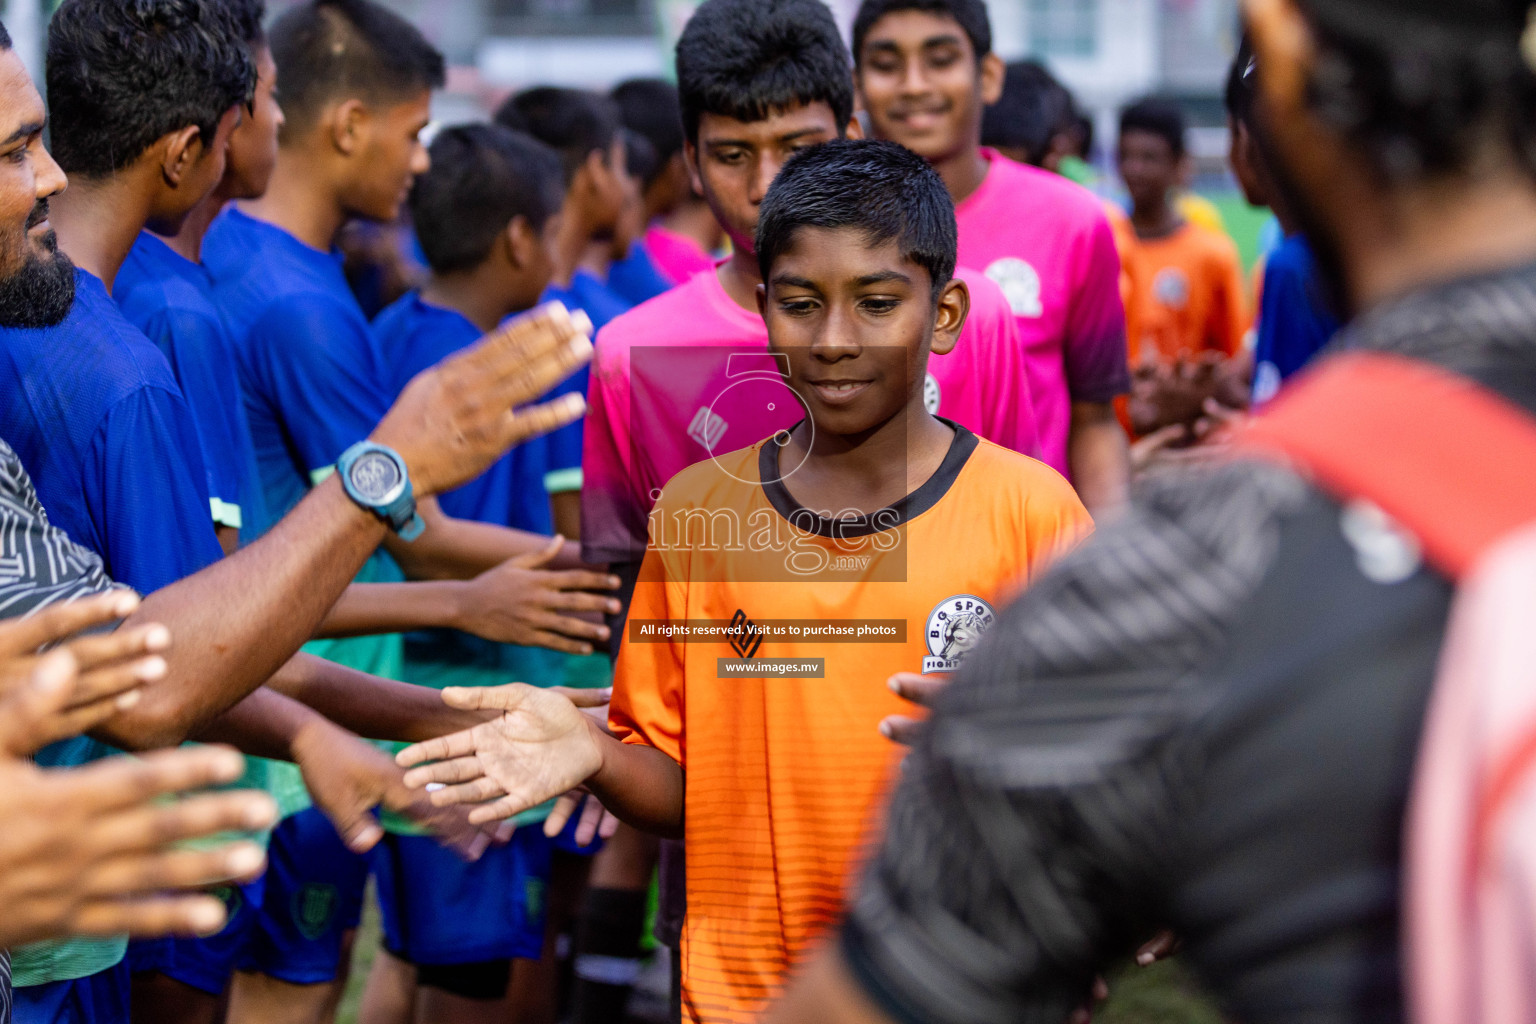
x,y
374,476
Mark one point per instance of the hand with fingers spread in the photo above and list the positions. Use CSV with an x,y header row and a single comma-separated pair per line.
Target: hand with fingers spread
x,y
348,778
524,602
452,421
920,690
541,746
111,667
96,850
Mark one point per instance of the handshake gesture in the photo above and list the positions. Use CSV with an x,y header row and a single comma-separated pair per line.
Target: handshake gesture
x,y
546,743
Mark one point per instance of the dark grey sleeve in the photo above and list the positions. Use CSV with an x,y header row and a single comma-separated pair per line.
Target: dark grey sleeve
x,y
1032,823
39,564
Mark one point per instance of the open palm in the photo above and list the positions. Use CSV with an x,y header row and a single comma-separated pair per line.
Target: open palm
x,y
539,747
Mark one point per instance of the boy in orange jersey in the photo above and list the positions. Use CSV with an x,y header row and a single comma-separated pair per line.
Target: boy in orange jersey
x,y
786,582
1186,281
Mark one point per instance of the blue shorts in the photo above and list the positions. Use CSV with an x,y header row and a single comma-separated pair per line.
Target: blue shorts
x,y
100,998
313,898
204,964
440,910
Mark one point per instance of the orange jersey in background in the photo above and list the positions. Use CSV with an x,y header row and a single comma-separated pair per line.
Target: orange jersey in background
x,y
1184,294
785,775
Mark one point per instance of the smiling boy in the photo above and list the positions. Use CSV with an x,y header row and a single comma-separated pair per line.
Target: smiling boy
x,y
760,746
926,71
759,80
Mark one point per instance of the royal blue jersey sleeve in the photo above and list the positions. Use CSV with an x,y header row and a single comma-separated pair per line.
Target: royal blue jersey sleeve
x,y
201,357
563,446
319,366
145,492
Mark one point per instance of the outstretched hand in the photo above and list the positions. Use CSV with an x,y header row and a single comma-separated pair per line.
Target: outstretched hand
x,y
522,601
455,419
541,746
106,671
348,778
97,850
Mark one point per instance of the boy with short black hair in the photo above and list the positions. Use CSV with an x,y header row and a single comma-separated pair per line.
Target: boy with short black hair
x,y
583,127
356,84
95,411
761,745
682,235
926,71
760,80
1186,282
484,215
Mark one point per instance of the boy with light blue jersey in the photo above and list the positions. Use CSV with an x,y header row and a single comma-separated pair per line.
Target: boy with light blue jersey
x,y
484,215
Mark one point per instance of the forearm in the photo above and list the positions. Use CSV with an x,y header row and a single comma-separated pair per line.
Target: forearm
x,y
371,608
380,709
1099,457
264,724
236,622
641,786
458,549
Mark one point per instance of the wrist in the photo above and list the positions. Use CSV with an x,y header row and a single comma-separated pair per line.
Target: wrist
x,y
451,603
314,734
377,479
602,742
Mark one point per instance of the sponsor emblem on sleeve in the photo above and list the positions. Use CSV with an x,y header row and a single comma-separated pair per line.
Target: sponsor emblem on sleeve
x,y
955,626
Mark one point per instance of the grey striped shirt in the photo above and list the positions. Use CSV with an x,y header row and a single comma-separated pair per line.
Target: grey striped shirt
x,y
39,566
1204,719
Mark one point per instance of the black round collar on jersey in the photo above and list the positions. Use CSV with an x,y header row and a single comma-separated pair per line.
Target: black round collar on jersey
x,y
913,505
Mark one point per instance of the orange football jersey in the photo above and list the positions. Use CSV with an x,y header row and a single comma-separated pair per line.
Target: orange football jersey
x,y
1184,294
772,698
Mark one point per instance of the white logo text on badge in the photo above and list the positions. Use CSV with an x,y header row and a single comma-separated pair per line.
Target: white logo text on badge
x,y
1020,284
955,626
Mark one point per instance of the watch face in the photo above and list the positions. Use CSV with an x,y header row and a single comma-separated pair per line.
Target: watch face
x,y
376,478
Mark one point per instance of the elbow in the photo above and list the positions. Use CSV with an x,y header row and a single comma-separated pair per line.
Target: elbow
x,y
148,728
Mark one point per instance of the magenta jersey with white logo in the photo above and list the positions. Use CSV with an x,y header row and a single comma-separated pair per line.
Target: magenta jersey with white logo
x,y
1047,243
688,376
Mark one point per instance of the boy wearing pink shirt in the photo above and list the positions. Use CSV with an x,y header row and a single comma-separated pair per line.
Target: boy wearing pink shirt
x,y
688,375
925,70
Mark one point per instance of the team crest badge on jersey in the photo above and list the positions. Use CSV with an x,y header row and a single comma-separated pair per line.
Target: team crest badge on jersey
x,y
931,395
1020,284
1171,288
955,626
